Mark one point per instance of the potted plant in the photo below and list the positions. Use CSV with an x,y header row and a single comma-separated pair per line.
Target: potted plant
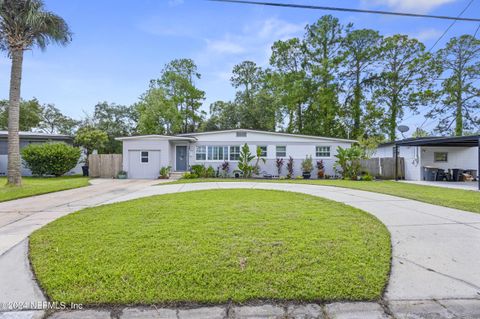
x,y
165,172
307,167
122,175
321,169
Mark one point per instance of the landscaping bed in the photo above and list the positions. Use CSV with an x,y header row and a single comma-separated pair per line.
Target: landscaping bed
x,y
213,246
448,197
32,186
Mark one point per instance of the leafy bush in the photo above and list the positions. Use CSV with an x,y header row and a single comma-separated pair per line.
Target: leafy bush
x,y
210,172
199,170
321,169
189,175
165,171
348,160
244,160
50,158
225,168
290,167
279,163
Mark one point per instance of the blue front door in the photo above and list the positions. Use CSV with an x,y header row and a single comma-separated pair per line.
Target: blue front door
x,y
181,158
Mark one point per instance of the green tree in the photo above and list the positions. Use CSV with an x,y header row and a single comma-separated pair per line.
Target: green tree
x,y
223,116
178,81
24,25
254,100
115,120
91,139
460,91
30,114
157,114
324,42
362,49
53,121
405,79
289,81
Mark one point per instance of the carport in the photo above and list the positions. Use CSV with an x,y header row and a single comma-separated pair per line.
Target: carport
x,y
457,141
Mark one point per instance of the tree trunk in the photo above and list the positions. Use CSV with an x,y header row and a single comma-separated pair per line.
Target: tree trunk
x,y
14,162
356,109
459,118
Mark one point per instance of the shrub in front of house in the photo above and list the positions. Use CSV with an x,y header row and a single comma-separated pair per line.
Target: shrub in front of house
x,y
50,158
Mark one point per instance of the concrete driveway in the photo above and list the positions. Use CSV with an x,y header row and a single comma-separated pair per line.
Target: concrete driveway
x,y
436,250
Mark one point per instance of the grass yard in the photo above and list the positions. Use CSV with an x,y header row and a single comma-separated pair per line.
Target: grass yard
x,y
448,197
39,185
212,247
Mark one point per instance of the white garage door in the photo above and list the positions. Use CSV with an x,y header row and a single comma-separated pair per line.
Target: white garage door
x,y
144,164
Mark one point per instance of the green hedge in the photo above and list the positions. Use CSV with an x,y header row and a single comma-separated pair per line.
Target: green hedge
x,y
50,158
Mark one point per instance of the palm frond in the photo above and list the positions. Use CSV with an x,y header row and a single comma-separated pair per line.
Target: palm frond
x,y
26,23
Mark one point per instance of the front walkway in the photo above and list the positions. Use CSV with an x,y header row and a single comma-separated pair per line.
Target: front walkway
x,y
436,251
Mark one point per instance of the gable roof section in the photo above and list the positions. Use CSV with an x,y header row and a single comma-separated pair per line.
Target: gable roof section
x,y
270,133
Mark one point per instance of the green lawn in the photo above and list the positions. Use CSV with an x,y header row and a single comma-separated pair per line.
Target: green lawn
x,y
448,197
212,247
39,185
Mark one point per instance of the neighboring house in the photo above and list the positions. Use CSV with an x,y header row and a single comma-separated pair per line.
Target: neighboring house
x,y
27,138
143,156
445,153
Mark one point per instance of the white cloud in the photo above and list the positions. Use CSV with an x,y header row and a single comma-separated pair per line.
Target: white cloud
x,y
422,6
224,46
427,34
253,41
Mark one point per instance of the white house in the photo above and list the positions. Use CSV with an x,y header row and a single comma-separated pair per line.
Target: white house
x,y
437,153
143,156
27,138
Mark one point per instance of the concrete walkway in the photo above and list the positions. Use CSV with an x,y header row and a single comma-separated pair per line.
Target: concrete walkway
x,y
436,250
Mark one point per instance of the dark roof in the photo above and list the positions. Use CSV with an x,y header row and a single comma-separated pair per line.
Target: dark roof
x,y
452,141
38,136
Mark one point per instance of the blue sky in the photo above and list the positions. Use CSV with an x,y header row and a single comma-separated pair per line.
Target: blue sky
x,y
119,45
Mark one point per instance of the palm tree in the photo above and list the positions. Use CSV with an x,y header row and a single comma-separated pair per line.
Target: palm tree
x,y
24,24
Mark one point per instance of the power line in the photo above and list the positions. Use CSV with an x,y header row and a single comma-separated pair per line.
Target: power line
x,y
304,6
450,26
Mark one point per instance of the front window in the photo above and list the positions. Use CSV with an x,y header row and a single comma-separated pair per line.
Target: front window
x,y
322,151
281,151
234,153
201,154
440,157
263,150
144,157
218,153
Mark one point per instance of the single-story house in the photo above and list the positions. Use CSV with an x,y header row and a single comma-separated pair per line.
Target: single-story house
x,y
436,158
27,138
143,156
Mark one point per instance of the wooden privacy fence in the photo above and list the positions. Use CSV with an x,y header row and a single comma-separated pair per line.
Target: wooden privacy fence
x,y
384,167
104,165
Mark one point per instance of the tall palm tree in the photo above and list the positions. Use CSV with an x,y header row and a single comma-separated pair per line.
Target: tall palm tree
x,y
24,24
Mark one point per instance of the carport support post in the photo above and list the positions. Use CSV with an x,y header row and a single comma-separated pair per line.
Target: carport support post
x,y
478,172
396,162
